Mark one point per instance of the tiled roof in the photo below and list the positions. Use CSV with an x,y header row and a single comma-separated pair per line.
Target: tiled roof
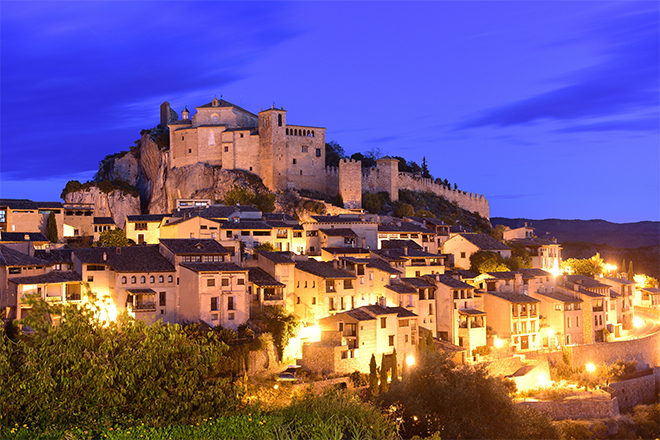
x,y
470,312
388,254
399,244
360,315
418,282
260,277
12,257
375,309
103,221
206,246
213,267
13,237
614,294
341,219
126,259
276,216
509,275
651,290
559,297
147,217
344,250
514,297
223,103
401,254
283,225
141,291
339,232
29,204
462,273
218,212
53,277
54,255
452,282
246,224
182,122
278,257
616,280
485,242
323,270
402,313
401,288
584,281
535,272
384,266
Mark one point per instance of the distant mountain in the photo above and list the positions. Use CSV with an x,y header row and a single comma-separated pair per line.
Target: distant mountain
x,y
620,235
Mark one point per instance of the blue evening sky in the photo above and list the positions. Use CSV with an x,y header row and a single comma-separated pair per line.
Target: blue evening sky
x,y
549,109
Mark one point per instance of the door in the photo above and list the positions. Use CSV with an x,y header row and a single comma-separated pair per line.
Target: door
x,y
524,342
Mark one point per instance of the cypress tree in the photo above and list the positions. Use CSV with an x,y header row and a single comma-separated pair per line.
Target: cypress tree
x,y
623,266
373,378
51,228
631,274
395,367
430,346
383,376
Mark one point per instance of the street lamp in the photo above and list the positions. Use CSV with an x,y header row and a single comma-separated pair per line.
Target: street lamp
x,y
591,367
410,360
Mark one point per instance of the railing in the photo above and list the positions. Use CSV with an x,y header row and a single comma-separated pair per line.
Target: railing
x,y
274,297
598,309
145,306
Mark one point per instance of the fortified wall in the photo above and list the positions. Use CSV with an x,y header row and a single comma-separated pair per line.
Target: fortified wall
x,y
351,180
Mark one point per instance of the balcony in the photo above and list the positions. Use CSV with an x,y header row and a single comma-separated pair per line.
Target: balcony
x,y
144,306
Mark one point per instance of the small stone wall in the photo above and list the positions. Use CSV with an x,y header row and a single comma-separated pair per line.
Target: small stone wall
x,y
646,351
576,408
631,392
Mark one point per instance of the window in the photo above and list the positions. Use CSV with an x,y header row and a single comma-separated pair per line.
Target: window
x,y
230,316
210,282
383,322
225,282
160,278
231,303
294,160
240,281
279,120
348,284
313,300
568,322
169,278
577,321
318,152
162,299
143,279
558,307
152,279
141,226
133,279
226,149
391,340
214,304
90,279
123,280
305,149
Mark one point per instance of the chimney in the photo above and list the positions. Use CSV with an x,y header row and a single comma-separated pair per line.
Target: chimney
x,y
405,250
27,237
118,250
105,256
382,301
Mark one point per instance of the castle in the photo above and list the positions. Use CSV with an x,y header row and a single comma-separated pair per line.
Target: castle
x,y
288,156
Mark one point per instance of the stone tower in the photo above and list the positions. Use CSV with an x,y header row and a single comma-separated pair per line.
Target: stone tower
x,y
350,183
167,115
388,176
273,158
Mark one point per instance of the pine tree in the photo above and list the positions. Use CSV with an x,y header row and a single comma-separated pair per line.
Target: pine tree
x,y
425,169
383,376
51,228
395,367
623,265
631,273
373,378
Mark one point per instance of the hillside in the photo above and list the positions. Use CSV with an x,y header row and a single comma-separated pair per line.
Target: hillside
x,y
620,235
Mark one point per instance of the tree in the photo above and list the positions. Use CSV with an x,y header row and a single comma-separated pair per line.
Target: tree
x,y
367,162
338,200
440,398
383,376
263,201
51,228
425,169
372,202
404,210
282,325
265,246
333,154
583,266
519,258
395,367
373,377
498,232
425,213
484,261
112,238
631,273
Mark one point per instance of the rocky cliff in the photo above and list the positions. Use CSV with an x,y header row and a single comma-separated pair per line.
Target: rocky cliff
x,y
143,170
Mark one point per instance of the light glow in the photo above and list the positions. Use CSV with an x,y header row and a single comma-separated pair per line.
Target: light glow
x,y
311,333
104,308
410,360
591,367
498,342
638,322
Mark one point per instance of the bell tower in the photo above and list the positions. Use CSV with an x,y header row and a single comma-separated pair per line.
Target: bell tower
x,y
273,159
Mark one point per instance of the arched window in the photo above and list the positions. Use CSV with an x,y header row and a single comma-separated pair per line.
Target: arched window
x,y
279,120
287,131
123,280
169,278
152,279
143,279
312,133
160,279
133,279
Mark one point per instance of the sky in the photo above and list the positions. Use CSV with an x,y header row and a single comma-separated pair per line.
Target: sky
x,y
548,109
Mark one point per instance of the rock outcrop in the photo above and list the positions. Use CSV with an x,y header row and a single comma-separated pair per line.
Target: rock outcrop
x,y
116,204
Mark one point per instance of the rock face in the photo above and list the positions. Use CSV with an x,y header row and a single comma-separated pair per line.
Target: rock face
x,y
116,204
146,169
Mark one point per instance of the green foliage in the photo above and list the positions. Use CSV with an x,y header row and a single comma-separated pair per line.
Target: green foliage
x,y
425,213
112,238
383,386
282,325
498,232
519,258
367,162
105,186
264,201
265,246
404,210
333,154
395,367
631,272
338,200
438,397
485,261
482,350
373,377
371,202
622,368
583,266
87,371
359,379
51,228
425,169
107,164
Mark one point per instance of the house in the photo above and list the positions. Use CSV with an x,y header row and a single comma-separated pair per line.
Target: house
x,y
460,318
364,226
439,227
264,290
144,228
138,279
422,302
650,297
56,287
596,307
521,233
422,236
213,292
25,242
373,276
279,265
413,261
463,245
59,259
287,236
78,219
514,317
322,290
102,224
350,338
16,264
625,289
562,322
25,215
545,254
339,237
250,232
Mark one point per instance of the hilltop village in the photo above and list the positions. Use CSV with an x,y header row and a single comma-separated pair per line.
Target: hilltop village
x,y
361,284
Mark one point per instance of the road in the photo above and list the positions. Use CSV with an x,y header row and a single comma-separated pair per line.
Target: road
x,y
651,325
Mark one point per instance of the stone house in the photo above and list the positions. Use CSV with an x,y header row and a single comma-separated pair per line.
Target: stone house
x,y
562,313
322,290
626,290
373,277
350,338
463,245
408,258
364,226
25,242
650,297
22,215
55,287
102,224
145,228
597,306
78,219
264,290
280,266
514,317
16,264
425,238
439,227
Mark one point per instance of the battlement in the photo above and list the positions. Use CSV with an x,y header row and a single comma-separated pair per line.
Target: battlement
x,y
351,162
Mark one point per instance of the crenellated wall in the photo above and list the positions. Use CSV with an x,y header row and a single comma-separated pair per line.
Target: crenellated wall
x,y
350,183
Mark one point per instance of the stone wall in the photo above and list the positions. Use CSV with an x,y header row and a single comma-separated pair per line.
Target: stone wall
x,y
350,183
646,351
576,409
631,392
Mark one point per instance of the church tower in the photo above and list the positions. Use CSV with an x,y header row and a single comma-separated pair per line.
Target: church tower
x,y
273,160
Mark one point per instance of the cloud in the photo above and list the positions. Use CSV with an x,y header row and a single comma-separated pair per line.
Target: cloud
x,y
626,80
651,124
381,139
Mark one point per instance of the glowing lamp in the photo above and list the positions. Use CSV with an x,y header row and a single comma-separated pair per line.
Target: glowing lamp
x,y
498,342
410,360
591,367
638,322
